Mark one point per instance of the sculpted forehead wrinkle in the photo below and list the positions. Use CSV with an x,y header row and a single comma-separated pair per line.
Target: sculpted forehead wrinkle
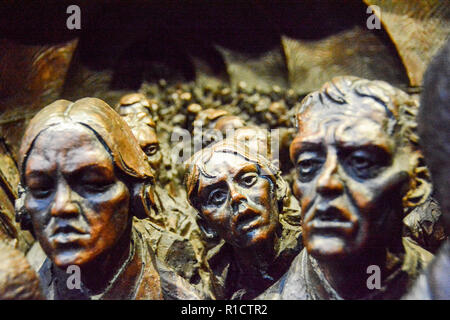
x,y
316,119
363,131
223,166
145,135
71,146
224,162
39,163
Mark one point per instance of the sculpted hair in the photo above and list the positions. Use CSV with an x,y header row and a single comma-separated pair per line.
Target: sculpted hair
x,y
111,131
195,168
139,119
401,111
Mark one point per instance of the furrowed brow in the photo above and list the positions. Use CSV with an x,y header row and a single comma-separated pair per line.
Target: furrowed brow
x,y
245,169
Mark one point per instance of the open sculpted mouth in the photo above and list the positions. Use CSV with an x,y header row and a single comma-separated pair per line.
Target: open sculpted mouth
x,y
247,220
331,219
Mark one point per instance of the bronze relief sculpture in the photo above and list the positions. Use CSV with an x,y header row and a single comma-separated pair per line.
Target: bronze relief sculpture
x,y
85,178
175,237
211,125
18,281
358,174
357,166
239,197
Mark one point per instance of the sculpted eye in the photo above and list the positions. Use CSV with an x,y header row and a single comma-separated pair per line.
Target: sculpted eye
x,y
40,192
95,187
151,149
248,179
217,197
307,168
360,161
365,163
40,187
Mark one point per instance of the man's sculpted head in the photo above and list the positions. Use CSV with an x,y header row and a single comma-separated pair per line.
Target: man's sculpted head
x,y
358,166
238,195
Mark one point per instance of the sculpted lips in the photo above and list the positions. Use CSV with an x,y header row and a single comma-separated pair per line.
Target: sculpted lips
x,y
64,232
247,220
326,217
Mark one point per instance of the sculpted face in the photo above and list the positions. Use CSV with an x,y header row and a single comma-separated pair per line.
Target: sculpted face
x,y
148,141
238,202
78,206
351,176
227,123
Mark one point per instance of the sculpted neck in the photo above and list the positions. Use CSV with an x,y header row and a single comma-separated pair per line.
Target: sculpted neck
x,y
96,275
259,256
348,276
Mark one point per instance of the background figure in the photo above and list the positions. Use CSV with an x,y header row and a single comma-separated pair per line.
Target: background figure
x,y
85,178
178,241
358,168
240,199
18,281
211,125
434,122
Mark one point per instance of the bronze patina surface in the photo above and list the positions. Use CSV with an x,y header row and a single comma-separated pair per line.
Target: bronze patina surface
x,y
85,177
240,197
358,165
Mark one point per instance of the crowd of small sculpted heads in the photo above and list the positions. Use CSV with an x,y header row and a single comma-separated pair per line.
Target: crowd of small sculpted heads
x,y
87,170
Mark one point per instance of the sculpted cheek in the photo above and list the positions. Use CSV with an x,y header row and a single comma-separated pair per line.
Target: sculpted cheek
x,y
262,198
38,209
32,204
116,199
214,216
362,197
297,190
305,203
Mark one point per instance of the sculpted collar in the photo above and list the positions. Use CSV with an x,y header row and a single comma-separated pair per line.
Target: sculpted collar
x,y
137,278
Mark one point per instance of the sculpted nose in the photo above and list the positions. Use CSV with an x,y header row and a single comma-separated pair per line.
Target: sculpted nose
x,y
329,182
62,203
236,195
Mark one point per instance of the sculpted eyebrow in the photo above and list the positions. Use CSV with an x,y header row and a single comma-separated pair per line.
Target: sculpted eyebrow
x,y
309,145
247,168
37,174
94,168
305,146
206,189
364,144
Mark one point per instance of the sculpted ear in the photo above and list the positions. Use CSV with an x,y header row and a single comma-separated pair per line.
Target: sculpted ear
x,y
281,192
420,185
209,232
21,215
142,199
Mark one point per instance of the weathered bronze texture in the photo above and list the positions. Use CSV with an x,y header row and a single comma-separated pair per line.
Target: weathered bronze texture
x,y
179,242
204,73
417,29
211,125
85,177
240,197
358,165
18,281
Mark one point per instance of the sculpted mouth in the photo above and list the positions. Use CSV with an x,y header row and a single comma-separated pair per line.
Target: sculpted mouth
x,y
332,219
65,233
247,220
